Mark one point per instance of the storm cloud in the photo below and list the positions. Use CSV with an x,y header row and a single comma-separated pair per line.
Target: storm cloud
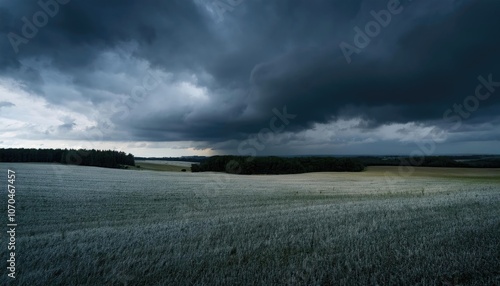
x,y
208,74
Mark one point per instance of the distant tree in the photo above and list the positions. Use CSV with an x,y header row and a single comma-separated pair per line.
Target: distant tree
x,y
195,168
276,165
108,158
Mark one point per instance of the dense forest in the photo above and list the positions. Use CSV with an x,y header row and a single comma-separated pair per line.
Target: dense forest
x,y
247,165
98,158
472,161
294,165
277,165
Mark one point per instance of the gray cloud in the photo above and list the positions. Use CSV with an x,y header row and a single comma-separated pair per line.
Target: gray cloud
x,y
6,104
219,81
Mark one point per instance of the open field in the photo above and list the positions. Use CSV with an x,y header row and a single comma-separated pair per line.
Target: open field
x,y
464,173
167,162
94,226
169,166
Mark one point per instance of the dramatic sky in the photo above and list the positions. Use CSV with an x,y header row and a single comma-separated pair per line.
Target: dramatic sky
x,y
251,77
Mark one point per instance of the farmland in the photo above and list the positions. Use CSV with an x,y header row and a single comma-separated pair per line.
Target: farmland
x,y
94,226
170,166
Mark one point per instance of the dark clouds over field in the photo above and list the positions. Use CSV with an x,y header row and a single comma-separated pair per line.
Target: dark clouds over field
x,y
157,76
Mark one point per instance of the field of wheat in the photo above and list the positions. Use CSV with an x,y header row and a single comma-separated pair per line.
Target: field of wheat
x,y
95,226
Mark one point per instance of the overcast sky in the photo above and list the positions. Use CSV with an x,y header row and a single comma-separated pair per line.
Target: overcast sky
x,y
251,77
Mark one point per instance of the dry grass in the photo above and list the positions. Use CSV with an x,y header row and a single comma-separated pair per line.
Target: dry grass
x,y
465,173
155,166
92,226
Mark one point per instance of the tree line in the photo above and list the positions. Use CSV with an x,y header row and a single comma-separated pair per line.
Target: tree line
x,y
472,161
295,165
276,165
84,157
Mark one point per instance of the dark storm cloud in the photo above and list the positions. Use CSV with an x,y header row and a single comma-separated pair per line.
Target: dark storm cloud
x,y
270,54
169,33
433,65
6,104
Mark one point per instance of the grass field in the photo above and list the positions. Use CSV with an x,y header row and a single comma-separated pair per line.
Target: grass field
x,y
168,166
94,226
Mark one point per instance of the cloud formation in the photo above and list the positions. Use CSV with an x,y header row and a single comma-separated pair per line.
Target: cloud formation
x,y
187,71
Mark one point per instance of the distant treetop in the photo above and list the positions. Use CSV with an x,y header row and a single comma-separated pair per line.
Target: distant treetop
x,y
98,158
